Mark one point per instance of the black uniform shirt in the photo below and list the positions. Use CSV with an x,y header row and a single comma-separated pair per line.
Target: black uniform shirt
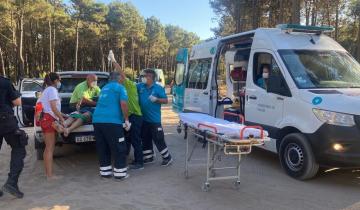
x,y
7,95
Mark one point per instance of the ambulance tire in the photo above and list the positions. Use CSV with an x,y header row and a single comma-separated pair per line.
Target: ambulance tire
x,y
297,157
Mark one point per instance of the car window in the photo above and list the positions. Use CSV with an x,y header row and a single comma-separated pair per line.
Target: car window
x,y
68,84
31,86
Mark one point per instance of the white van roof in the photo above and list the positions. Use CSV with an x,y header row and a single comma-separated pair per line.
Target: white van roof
x,y
272,39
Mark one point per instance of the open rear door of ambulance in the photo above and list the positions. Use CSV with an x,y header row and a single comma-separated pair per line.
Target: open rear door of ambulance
x,y
178,88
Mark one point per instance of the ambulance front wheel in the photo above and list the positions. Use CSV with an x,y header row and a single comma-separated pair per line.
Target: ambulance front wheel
x,y
297,157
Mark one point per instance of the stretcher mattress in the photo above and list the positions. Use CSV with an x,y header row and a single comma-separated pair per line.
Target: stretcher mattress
x,y
230,129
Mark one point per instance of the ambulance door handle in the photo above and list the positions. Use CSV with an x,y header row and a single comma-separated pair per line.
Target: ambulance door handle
x,y
206,93
253,97
280,98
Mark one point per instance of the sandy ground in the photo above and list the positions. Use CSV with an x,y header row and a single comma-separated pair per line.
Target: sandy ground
x,y
263,184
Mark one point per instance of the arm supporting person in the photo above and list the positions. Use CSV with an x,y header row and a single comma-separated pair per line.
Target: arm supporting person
x,y
118,68
56,111
125,110
87,102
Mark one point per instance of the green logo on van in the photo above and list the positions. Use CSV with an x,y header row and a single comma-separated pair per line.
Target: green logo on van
x,y
212,51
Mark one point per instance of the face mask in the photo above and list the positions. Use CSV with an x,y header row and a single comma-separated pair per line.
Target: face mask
x,y
143,80
265,75
58,85
94,84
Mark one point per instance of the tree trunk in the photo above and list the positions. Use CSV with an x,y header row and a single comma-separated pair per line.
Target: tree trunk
x,y
337,21
307,12
2,62
295,13
314,13
122,57
358,43
21,40
132,55
50,46
76,45
53,47
281,16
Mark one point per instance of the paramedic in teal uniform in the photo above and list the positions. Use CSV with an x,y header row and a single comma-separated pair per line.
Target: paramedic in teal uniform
x,y
109,119
151,97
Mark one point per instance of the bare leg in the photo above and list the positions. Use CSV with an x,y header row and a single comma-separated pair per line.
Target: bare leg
x,y
76,124
59,128
69,121
48,153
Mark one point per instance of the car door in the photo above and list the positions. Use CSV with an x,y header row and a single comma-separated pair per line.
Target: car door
x,y
178,88
198,86
263,106
28,89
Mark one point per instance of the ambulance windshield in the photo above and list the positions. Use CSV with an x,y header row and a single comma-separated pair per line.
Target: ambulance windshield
x,y
322,69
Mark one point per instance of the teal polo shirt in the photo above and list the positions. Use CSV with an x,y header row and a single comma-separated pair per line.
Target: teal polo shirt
x,y
108,108
151,111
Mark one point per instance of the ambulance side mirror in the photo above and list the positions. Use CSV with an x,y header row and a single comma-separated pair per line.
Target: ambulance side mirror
x,y
277,85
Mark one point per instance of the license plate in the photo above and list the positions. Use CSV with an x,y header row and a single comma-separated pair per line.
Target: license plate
x,y
82,139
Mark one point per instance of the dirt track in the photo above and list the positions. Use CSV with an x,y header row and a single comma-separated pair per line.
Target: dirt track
x,y
263,183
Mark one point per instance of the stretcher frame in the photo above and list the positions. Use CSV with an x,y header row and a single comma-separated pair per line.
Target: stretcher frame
x,y
217,142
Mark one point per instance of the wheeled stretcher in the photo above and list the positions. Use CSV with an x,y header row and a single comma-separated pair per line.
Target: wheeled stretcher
x,y
219,135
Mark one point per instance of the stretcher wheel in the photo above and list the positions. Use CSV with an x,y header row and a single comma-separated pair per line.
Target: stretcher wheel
x,y
212,173
206,187
186,174
237,185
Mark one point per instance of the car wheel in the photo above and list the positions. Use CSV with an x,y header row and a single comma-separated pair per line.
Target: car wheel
x,y
40,154
297,157
39,148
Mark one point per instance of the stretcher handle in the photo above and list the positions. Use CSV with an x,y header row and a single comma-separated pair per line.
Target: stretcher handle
x,y
241,117
207,126
253,126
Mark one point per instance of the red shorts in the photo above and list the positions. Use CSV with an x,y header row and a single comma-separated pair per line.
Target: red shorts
x,y
46,123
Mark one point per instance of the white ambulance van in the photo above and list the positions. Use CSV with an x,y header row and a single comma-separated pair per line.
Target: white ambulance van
x,y
295,81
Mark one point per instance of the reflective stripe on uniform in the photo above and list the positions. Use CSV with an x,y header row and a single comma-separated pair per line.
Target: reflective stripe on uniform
x,y
105,168
120,174
120,170
167,155
147,152
148,156
164,151
105,173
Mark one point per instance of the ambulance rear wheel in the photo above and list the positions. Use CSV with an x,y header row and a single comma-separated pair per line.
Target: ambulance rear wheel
x,y
297,157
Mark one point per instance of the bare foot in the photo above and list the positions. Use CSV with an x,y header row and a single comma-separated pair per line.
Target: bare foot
x,y
66,132
59,128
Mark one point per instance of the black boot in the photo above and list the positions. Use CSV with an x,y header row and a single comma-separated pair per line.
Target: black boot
x,y
1,193
13,190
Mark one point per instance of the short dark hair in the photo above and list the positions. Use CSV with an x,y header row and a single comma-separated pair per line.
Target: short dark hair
x,y
50,78
150,71
114,76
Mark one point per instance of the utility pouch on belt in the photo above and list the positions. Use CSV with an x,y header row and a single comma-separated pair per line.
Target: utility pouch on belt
x,y
23,137
8,122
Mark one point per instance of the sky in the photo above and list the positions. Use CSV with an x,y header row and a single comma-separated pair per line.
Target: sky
x,y
192,15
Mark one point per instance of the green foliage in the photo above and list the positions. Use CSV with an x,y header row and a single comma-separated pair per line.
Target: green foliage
x,y
50,37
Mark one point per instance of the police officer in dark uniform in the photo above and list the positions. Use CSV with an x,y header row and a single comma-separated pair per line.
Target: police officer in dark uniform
x,y
16,138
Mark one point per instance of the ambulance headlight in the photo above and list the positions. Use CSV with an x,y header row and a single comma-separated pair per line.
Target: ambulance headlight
x,y
334,118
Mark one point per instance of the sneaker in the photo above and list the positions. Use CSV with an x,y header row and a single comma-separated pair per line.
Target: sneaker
x,y
122,178
136,166
149,160
14,191
167,161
